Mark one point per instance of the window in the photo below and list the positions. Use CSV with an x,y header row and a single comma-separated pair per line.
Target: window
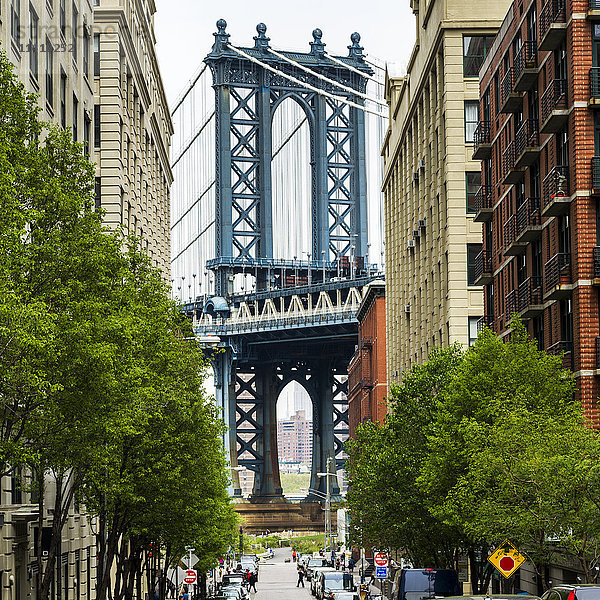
x,y
86,52
49,73
471,119
472,183
16,492
63,99
97,123
75,117
98,199
96,55
33,42
475,49
87,126
74,24
63,19
15,21
472,251
473,330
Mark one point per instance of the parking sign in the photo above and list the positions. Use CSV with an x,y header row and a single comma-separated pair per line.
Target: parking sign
x,y
381,572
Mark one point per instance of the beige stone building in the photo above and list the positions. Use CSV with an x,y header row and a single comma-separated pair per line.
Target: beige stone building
x,y
430,181
133,125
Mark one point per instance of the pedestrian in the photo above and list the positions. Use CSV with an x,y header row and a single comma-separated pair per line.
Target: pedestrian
x,y
337,564
300,576
351,565
293,556
252,582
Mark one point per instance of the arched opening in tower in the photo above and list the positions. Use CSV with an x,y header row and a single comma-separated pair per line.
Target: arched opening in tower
x,y
294,439
291,183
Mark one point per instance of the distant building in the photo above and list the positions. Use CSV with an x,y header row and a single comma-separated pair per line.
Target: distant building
x,y
367,372
294,438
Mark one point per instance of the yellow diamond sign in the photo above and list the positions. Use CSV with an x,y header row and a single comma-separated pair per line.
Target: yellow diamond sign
x,y
507,559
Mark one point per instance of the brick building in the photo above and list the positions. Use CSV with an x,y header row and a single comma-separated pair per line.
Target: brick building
x,y
539,141
367,372
294,438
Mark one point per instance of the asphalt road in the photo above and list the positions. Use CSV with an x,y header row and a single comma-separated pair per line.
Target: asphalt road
x,y
277,579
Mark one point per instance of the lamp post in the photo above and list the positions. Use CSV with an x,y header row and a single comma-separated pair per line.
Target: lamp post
x,y
323,260
328,474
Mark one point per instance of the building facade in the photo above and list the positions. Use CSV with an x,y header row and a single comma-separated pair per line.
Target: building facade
x,y
295,438
133,126
367,372
539,142
430,181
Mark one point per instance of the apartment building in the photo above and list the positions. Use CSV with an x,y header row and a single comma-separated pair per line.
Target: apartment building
x,y
295,438
367,372
539,143
430,181
133,126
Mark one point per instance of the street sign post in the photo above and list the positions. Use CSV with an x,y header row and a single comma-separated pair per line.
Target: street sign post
x,y
507,559
381,559
190,577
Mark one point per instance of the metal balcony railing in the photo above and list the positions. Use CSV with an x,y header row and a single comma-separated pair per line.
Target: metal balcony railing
x,y
483,264
530,293
554,98
508,85
508,159
510,231
556,184
557,271
528,136
483,198
485,321
596,262
526,58
596,174
528,215
482,133
554,11
512,303
563,347
594,5
595,84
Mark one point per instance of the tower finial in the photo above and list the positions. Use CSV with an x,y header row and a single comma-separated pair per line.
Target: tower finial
x,y
317,47
356,50
261,41
221,37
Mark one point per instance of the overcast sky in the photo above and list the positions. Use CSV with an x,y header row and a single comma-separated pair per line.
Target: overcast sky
x,y
184,29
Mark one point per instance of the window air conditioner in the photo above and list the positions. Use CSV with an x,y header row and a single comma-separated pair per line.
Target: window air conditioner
x,y
422,163
407,308
410,245
421,223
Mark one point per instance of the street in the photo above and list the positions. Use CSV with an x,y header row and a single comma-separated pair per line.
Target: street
x,y
277,579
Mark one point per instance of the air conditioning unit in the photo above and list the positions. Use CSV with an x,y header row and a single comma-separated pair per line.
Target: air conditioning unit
x,y
410,245
422,163
416,233
416,176
421,223
407,308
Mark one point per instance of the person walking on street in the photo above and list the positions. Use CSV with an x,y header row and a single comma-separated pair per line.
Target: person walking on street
x,y
300,576
252,582
351,565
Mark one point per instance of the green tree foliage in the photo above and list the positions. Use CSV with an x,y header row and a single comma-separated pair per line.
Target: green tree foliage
x,y
101,380
493,447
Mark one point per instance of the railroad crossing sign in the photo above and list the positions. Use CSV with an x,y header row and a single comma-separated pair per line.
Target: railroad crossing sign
x,y
190,576
507,559
381,559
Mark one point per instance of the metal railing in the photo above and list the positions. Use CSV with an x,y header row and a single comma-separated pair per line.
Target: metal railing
x,y
508,159
482,134
512,303
596,173
530,293
554,11
528,136
557,270
563,347
594,5
556,184
483,198
483,264
528,215
554,98
508,85
510,231
595,83
596,262
485,321
526,58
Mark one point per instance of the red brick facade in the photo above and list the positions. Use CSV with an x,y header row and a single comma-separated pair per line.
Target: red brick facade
x,y
367,372
539,202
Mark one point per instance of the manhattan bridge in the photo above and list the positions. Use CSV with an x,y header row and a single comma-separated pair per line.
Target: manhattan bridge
x,y
276,230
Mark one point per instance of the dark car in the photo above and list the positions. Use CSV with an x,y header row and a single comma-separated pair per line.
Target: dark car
x,y
495,597
583,591
421,584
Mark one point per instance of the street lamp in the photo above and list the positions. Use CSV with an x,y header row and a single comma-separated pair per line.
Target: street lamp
x,y
328,474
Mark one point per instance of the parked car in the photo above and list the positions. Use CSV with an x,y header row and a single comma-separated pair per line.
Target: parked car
x,y
419,584
583,591
313,563
232,579
315,580
249,565
253,557
346,595
332,582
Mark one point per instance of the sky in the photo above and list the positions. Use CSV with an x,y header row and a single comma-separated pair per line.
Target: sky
x,y
184,29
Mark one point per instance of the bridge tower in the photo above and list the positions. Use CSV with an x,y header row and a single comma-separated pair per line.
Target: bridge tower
x,y
299,322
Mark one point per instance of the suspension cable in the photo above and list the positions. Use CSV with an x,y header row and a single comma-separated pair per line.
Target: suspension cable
x,y
322,77
306,85
190,87
188,145
353,69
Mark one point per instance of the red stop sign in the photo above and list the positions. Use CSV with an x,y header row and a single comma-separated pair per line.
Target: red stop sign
x,y
507,563
190,576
